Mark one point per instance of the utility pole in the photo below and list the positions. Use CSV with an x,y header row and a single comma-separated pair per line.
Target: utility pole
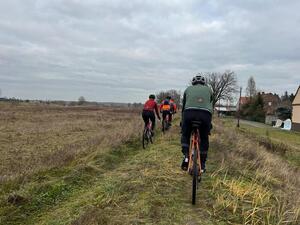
x,y
239,111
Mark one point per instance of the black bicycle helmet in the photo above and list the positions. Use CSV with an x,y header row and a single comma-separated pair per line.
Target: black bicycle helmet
x,y
198,79
152,96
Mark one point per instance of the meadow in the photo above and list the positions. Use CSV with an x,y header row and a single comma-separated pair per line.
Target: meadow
x,y
92,170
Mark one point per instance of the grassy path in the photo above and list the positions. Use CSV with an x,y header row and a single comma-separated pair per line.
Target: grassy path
x,y
121,186
129,185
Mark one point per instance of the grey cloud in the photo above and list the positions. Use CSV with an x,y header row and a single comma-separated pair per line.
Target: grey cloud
x,y
129,49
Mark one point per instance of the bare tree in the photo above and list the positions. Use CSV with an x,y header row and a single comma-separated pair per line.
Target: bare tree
x,y
251,87
224,85
176,96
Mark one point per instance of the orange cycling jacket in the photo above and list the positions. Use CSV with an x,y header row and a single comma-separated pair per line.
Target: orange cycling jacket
x,y
168,106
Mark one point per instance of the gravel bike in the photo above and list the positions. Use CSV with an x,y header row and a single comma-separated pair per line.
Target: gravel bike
x,y
194,167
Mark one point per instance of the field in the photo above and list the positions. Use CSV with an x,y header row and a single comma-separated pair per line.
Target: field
x,y
36,137
85,165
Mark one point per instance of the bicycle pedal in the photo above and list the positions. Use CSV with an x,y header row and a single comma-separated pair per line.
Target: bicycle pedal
x,y
199,179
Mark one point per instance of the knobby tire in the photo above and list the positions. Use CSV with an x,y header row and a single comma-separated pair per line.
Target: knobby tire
x,y
195,177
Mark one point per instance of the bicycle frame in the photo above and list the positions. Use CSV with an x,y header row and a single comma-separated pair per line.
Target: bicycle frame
x,y
194,146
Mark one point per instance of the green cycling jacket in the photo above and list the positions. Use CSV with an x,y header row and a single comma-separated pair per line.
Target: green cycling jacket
x,y
198,97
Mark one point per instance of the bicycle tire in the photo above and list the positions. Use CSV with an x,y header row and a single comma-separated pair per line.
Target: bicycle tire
x,y
166,125
144,141
195,177
150,137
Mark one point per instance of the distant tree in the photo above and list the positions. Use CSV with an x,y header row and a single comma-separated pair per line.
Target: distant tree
x,y
251,87
285,96
224,85
81,100
291,97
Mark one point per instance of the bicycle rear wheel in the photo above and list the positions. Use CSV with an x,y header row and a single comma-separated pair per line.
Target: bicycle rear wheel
x,y
165,125
150,136
195,177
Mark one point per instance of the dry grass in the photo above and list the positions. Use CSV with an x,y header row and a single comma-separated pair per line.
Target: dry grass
x,y
104,181
36,137
282,142
257,185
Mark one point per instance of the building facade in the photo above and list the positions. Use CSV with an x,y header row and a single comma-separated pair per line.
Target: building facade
x,y
271,102
296,111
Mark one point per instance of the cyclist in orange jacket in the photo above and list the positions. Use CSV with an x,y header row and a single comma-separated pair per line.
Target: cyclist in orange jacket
x,y
148,112
165,108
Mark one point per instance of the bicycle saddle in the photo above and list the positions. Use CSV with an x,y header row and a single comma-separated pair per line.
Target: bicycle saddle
x,y
196,124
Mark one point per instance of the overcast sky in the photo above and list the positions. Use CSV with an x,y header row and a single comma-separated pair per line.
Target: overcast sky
x,y
121,51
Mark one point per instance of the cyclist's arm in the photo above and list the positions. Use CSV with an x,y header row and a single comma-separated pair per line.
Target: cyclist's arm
x,y
160,106
183,106
183,101
156,111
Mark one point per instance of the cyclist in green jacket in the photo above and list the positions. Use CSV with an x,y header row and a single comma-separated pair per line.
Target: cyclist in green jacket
x,y
197,106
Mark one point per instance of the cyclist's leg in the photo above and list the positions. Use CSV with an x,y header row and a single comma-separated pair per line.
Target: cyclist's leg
x,y
164,114
170,116
185,132
185,137
145,117
204,132
152,118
